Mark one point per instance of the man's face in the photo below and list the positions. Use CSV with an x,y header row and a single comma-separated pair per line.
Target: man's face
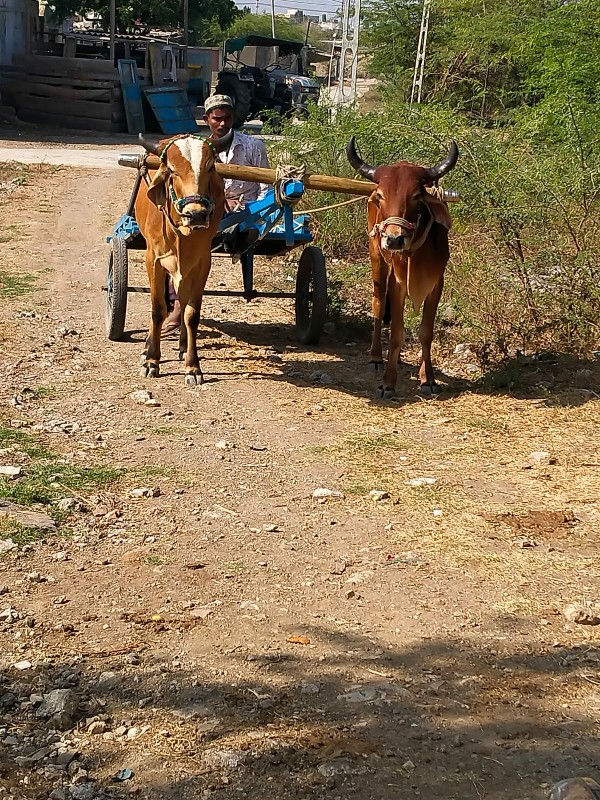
x,y
220,121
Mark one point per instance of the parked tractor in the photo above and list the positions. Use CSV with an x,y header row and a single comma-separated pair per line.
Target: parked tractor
x,y
266,77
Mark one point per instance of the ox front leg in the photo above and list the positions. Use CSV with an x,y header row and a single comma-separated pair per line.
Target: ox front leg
x,y
191,303
427,384
379,270
151,356
397,298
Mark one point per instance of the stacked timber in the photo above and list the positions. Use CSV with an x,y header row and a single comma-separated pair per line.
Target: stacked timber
x,y
76,93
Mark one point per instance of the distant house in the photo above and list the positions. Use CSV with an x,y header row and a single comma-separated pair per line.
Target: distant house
x,y
299,16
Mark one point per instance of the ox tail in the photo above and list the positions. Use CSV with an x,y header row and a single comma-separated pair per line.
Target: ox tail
x,y
387,314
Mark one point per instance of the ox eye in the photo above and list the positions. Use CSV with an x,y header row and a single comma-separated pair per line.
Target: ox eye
x,y
378,199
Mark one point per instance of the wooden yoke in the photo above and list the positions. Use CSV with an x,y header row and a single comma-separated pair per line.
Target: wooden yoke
x,y
325,183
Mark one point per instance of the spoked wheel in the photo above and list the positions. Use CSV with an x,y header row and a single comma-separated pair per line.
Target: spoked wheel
x,y
311,295
116,290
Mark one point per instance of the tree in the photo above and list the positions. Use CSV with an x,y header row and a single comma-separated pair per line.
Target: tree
x,y
475,50
260,24
207,18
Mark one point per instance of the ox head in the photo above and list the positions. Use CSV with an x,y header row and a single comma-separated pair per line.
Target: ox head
x,y
186,182
401,189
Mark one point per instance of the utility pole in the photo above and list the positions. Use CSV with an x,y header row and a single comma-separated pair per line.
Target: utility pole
x,y
186,31
113,25
330,70
417,86
346,89
273,18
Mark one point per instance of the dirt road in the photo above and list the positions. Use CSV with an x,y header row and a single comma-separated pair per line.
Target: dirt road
x,y
226,634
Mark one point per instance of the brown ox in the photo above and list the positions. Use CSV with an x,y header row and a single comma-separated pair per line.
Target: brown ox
x,y
408,246
178,215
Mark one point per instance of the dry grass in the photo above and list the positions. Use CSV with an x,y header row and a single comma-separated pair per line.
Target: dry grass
x,y
478,448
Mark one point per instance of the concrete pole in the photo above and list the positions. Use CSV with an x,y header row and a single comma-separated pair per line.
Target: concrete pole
x,y
330,70
273,18
186,31
113,26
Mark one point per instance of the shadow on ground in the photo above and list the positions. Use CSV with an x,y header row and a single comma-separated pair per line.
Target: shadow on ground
x,y
556,378
435,719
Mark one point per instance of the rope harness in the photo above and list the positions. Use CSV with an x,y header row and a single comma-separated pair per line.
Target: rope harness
x,y
407,228
286,172
333,205
402,223
179,203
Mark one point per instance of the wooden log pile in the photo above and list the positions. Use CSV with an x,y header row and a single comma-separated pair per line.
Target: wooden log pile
x,y
69,92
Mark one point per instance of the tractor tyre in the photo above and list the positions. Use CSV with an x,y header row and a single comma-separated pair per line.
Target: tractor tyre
x,y
240,94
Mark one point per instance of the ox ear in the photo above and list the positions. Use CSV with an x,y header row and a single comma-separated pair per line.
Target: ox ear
x,y
157,191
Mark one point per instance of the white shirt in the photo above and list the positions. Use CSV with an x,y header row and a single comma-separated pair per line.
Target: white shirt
x,y
251,152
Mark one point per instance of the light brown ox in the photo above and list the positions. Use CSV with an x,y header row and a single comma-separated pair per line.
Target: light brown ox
x,y
178,213
408,246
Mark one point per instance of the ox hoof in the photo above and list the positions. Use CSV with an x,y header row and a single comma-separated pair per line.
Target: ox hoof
x,y
375,366
385,393
150,371
143,358
194,380
429,389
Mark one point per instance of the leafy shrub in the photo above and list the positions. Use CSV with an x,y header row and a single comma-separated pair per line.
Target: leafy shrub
x,y
524,271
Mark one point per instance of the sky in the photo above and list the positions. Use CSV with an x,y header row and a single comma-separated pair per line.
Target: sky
x,y
312,7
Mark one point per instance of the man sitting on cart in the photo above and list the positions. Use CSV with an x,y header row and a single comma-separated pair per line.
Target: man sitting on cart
x,y
245,150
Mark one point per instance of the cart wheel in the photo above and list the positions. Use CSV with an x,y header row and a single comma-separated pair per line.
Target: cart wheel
x,y
116,291
311,295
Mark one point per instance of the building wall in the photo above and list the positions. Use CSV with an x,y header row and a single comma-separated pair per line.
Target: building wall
x,y
16,19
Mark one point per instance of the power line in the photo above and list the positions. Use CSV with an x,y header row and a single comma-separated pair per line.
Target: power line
x,y
335,7
318,11
312,11
294,6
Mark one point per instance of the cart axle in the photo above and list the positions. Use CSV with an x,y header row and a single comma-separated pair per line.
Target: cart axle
x,y
219,293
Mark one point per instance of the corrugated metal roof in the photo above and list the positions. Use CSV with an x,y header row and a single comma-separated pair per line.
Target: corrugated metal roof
x,y
123,37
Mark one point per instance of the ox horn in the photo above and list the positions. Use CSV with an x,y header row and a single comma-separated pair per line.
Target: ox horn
x,y
149,145
224,143
445,165
364,169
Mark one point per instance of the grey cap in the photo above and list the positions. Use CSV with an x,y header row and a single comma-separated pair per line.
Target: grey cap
x,y
217,101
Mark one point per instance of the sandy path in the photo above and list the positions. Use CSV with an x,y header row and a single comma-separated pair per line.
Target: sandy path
x,y
436,660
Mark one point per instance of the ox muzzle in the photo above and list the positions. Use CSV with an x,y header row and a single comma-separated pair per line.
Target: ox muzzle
x,y
195,210
395,233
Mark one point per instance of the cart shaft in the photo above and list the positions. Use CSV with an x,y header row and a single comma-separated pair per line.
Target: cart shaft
x,y
241,172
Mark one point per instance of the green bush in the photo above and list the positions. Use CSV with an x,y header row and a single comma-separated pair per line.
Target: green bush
x,y
524,271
